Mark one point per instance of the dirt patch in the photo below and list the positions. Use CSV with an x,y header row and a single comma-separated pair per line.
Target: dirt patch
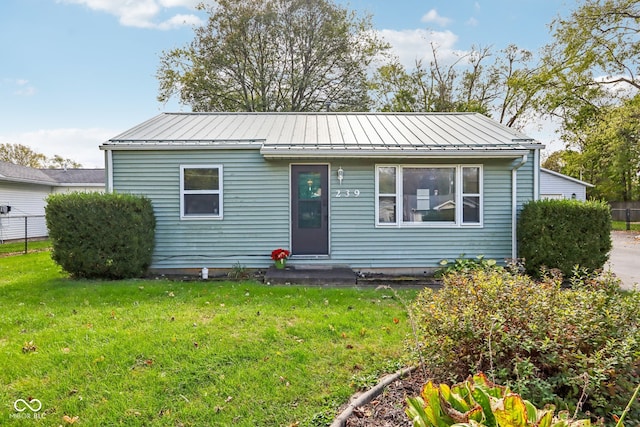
x,y
387,409
30,251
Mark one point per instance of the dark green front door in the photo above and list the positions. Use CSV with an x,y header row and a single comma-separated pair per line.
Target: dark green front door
x,y
309,210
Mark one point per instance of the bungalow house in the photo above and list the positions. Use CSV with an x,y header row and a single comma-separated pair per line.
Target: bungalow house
x,y
23,194
554,185
393,192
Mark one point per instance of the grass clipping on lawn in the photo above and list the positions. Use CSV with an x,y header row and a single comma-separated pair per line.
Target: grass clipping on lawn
x,y
155,352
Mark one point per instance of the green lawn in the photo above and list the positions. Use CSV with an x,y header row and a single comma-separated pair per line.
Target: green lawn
x,y
18,247
622,225
164,353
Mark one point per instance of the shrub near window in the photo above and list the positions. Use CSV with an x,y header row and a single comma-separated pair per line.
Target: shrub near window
x,y
546,343
563,234
94,235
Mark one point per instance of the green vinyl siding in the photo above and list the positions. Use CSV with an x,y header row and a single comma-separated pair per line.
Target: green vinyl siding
x,y
256,205
257,212
356,241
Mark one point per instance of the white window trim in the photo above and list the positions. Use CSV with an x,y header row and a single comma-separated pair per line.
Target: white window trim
x,y
400,223
219,216
396,223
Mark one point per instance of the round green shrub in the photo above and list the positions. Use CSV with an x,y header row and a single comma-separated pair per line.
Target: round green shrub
x,y
548,343
101,236
563,234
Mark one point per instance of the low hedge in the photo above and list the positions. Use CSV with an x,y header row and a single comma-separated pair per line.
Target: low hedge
x,y
563,234
95,235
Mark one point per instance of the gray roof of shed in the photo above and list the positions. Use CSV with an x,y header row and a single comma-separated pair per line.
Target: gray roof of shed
x,y
328,134
566,177
52,177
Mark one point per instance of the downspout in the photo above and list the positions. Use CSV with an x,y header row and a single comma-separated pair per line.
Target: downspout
x,y
536,175
109,166
514,206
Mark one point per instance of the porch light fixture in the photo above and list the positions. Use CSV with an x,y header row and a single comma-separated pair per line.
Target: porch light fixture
x,y
340,175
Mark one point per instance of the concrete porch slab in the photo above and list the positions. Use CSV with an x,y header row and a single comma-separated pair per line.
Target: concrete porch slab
x,y
311,275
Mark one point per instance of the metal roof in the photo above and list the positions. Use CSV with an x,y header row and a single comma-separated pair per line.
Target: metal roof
x,y
328,134
566,177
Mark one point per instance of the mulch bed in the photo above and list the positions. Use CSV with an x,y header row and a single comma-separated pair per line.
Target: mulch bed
x,y
387,409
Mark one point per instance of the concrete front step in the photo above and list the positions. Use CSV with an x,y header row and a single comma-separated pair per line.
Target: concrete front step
x,y
311,275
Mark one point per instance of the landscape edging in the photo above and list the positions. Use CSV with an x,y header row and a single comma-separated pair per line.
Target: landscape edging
x,y
367,396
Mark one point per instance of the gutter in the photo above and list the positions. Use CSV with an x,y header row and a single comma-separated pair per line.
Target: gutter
x,y
514,206
314,153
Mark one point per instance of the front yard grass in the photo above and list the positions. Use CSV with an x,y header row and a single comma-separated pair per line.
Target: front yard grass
x,y
622,226
166,353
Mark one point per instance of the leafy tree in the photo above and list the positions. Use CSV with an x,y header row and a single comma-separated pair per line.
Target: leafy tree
x,y
21,155
24,156
59,162
505,86
273,55
594,65
611,152
609,155
601,36
567,162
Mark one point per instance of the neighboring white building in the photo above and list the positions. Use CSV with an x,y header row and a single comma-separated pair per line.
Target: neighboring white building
x,y
554,185
25,191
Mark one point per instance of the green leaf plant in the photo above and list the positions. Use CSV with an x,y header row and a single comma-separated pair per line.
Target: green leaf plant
x,y
478,402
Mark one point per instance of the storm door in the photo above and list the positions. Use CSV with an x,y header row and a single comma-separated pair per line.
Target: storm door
x,y
309,210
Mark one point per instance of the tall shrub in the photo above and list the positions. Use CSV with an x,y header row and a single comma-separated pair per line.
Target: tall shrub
x,y
563,234
547,343
96,235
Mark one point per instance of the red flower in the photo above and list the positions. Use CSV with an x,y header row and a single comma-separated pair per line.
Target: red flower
x,y
280,254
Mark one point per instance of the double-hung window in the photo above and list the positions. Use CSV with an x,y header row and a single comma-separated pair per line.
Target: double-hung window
x,y
428,195
201,192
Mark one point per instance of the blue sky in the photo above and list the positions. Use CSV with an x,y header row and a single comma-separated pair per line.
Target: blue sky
x,y
74,73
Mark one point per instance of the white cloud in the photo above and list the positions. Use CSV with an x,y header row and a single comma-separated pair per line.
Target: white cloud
x,y
80,145
433,17
19,87
472,22
180,21
410,45
144,13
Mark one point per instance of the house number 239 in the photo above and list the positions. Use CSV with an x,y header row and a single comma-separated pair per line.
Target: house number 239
x,y
347,193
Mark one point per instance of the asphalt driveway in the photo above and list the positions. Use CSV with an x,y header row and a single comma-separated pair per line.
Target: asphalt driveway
x,y
624,259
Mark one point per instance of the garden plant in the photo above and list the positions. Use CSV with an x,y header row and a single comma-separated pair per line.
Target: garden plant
x,y
577,348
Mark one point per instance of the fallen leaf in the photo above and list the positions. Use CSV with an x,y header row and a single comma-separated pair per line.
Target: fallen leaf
x,y
70,420
396,320
66,350
228,399
29,347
